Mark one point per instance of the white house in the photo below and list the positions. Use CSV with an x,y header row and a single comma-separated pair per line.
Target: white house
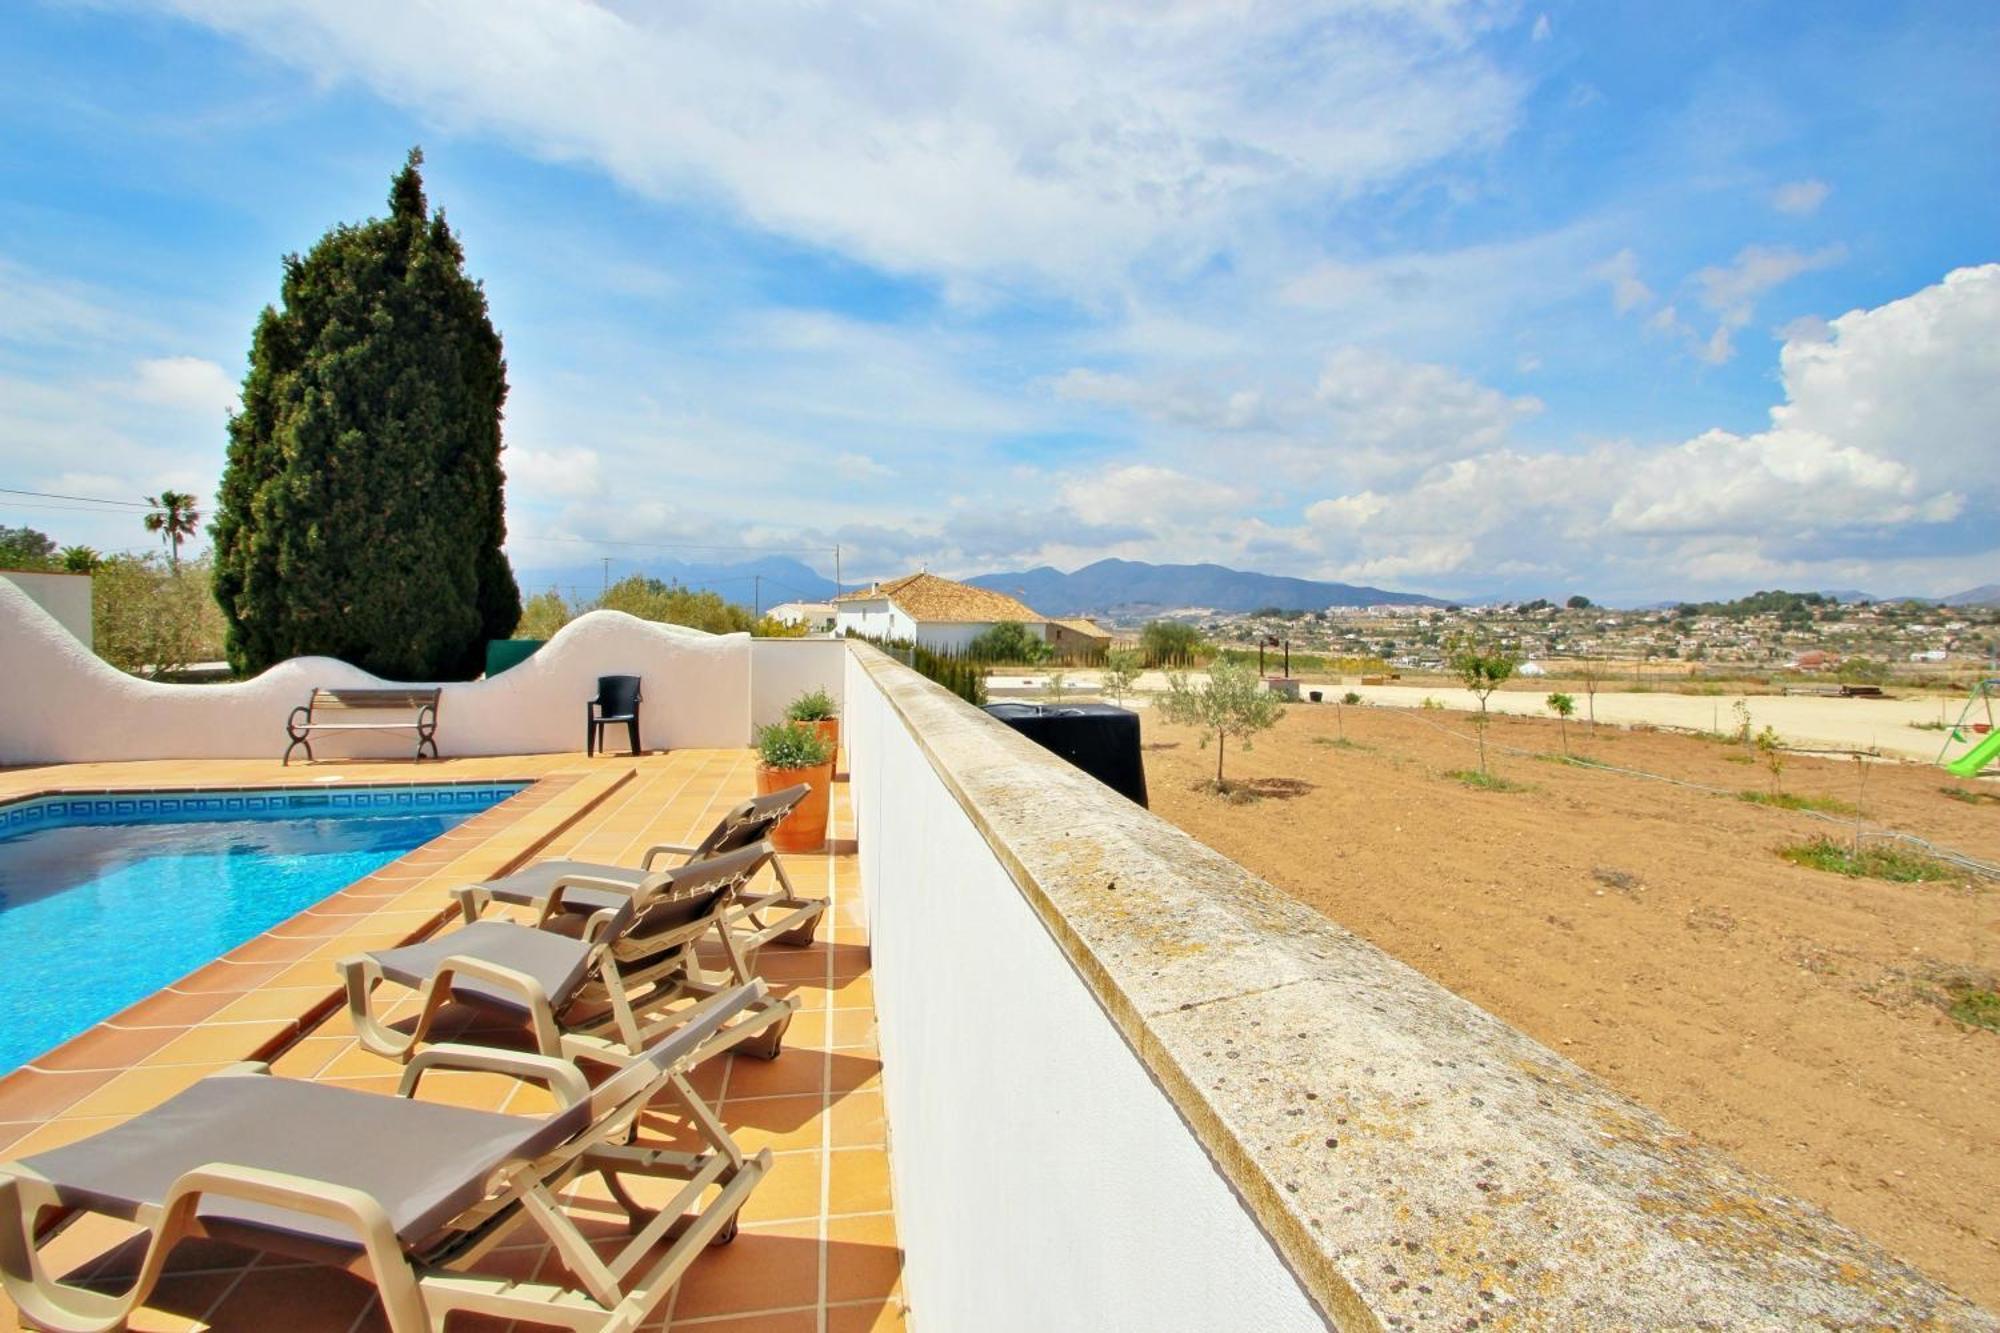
x,y
817,617
935,612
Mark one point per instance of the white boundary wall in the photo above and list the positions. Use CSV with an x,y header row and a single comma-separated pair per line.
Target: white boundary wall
x,y
61,703
783,669
1042,1179
64,596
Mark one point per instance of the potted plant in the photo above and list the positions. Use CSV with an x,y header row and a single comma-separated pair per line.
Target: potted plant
x,y
816,710
789,753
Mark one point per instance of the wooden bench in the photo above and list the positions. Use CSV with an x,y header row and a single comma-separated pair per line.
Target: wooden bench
x,y
420,709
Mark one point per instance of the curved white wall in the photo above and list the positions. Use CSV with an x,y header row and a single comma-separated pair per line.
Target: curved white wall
x,y
60,703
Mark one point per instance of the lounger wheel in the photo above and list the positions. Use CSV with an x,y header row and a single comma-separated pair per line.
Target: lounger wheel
x,y
800,937
770,1043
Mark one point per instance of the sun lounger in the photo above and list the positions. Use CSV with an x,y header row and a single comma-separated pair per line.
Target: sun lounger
x,y
780,916
587,987
409,1194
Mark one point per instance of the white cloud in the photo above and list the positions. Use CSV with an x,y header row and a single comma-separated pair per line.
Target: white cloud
x,y
860,467
1155,497
1542,30
566,473
1621,272
1058,138
1731,290
184,383
1386,411
1800,198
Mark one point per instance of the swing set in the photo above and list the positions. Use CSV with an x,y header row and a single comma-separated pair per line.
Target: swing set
x,y
1982,735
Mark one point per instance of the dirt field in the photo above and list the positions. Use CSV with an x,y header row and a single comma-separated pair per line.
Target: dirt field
x,y
1651,934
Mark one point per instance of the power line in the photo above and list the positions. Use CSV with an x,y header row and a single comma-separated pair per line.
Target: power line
x,y
85,499
680,546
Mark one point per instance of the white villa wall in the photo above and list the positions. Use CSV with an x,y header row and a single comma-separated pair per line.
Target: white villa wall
x,y
876,618
64,596
1042,1179
63,704
783,669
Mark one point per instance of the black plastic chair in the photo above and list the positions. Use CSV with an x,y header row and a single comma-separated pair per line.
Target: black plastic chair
x,y
617,700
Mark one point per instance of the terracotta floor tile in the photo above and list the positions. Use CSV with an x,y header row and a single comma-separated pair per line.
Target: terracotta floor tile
x,y
796,1070
221,1043
763,1269
790,1190
782,1124
867,1317
139,1089
799,1321
31,1094
858,1181
858,1121
104,1048
863,1259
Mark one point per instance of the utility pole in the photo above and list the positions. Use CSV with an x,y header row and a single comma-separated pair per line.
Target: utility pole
x,y
607,576
836,569
757,595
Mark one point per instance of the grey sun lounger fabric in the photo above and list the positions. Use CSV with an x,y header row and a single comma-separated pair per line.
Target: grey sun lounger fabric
x,y
556,962
423,1162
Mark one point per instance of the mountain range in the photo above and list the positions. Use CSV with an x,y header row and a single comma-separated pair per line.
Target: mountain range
x,y
1115,586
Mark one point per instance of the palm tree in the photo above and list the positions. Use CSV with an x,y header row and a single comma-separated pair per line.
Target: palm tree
x,y
174,517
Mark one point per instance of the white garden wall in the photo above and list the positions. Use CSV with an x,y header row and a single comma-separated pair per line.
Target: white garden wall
x,y
60,703
64,596
1042,1179
783,669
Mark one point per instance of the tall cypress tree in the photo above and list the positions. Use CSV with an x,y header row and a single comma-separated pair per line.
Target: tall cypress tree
x,y
361,513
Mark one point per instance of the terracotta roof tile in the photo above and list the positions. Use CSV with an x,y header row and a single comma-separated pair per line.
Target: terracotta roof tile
x,y
927,597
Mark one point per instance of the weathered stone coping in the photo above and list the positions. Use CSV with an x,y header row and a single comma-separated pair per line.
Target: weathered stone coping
x,y
1414,1159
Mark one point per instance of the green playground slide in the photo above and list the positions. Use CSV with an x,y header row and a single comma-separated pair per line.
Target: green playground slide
x,y
1968,764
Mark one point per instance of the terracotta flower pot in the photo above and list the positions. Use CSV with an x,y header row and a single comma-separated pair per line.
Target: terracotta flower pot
x,y
803,830
829,731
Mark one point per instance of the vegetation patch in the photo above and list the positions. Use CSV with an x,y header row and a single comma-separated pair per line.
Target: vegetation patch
x,y
1969,796
1829,805
1573,761
1889,863
1472,777
1340,743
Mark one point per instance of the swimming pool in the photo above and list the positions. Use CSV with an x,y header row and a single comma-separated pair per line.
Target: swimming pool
x,y
104,899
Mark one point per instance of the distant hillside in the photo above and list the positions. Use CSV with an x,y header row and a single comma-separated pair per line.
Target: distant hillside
x,y
1133,585
1986,594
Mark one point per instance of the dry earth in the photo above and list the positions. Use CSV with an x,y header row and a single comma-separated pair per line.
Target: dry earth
x,y
1652,934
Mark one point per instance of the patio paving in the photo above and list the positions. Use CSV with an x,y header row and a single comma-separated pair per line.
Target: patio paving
x,y
817,1252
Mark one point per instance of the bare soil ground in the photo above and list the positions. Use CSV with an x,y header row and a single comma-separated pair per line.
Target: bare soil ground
x,y
1652,934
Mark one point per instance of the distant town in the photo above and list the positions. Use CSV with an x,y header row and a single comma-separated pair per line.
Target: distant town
x,y
1760,634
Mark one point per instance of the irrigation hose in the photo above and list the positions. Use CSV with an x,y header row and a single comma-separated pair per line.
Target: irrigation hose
x,y
1985,869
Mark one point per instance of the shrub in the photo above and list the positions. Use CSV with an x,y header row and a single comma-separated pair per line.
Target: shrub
x,y
1008,641
149,618
542,616
1350,698
1482,670
789,745
812,706
26,549
1890,863
1169,643
654,599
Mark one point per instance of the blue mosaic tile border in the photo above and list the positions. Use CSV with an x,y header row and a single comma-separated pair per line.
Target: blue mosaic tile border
x,y
155,807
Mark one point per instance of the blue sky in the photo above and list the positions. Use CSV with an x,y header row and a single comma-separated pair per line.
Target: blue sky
x,y
1472,299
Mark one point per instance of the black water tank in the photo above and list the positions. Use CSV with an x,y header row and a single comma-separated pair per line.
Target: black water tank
x,y
1101,740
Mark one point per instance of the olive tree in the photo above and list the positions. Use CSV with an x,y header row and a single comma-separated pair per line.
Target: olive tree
x,y
1482,669
1233,702
1562,705
1120,675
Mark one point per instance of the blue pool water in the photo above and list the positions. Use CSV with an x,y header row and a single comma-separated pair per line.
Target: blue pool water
x,y
104,900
